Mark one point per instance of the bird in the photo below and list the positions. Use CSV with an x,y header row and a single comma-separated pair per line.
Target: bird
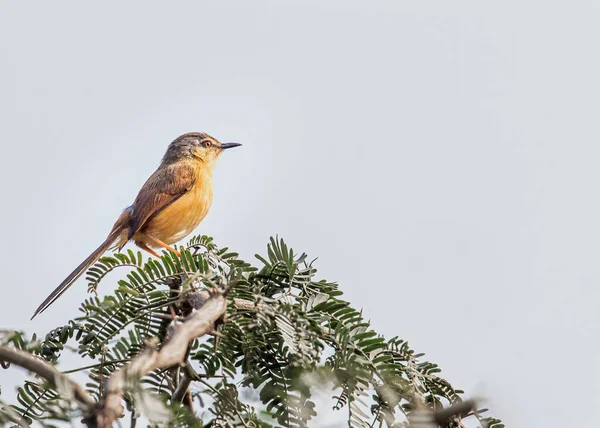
x,y
168,207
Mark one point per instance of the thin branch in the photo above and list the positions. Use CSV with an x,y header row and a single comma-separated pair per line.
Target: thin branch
x,y
229,287
167,317
189,374
93,366
159,304
46,371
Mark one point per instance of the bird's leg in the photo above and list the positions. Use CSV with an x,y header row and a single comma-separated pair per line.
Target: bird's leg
x,y
162,244
147,248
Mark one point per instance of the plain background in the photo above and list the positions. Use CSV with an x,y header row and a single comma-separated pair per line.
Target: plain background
x,y
440,158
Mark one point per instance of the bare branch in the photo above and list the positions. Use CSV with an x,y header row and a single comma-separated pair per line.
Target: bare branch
x,y
46,371
189,375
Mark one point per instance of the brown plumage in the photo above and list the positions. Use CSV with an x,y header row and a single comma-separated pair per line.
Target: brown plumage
x,y
168,207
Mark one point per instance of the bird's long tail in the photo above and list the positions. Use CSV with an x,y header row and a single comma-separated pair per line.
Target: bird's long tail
x,y
79,270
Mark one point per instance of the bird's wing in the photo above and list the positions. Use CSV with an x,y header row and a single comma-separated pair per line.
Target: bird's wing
x,y
165,186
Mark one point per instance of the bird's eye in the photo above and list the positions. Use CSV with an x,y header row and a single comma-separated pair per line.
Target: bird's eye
x,y
207,143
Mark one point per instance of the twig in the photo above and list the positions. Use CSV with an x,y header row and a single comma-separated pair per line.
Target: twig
x,y
189,374
133,421
229,287
167,317
159,304
106,363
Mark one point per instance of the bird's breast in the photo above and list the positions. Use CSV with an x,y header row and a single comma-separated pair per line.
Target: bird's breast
x,y
180,218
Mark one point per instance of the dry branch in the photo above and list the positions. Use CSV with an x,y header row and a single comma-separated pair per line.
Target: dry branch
x,y
45,370
172,353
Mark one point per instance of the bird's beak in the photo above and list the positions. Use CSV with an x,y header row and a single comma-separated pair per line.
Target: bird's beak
x,y
229,145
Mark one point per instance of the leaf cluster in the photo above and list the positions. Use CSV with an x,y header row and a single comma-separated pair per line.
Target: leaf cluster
x,y
286,337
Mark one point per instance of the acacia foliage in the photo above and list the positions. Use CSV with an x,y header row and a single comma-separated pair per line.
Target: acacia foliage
x,y
286,336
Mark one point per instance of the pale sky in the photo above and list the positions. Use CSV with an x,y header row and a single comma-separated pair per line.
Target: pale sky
x,y
440,158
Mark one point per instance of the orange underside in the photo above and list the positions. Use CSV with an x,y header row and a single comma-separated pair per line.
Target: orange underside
x,y
174,222
178,220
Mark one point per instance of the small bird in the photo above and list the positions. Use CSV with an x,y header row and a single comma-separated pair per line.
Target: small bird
x,y
168,207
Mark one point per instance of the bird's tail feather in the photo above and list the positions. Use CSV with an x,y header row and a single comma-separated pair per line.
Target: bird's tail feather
x,y
79,270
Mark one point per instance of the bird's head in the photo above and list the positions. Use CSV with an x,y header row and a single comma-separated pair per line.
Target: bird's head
x,y
196,145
